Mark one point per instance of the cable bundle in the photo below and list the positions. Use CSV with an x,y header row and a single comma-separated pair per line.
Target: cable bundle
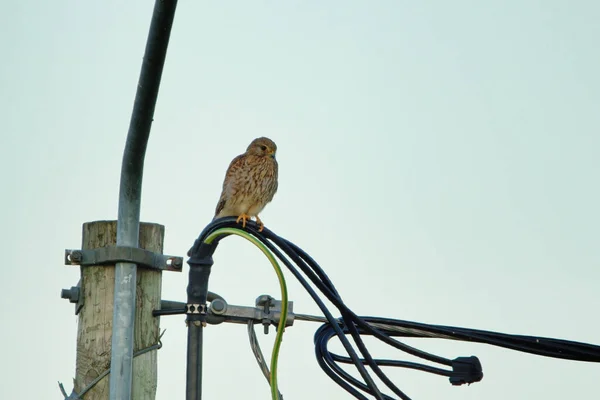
x,y
463,369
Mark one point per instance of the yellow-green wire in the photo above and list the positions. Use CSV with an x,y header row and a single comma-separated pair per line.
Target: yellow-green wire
x,y
284,297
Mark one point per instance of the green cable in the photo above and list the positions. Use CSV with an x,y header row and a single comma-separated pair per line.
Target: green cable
x,y
284,297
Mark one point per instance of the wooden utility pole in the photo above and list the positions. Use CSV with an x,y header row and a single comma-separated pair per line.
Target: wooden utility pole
x,y
96,317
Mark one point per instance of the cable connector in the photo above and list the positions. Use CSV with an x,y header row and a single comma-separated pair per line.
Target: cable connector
x,y
466,370
266,312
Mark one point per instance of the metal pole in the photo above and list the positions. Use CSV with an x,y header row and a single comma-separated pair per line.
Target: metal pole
x,y
128,223
193,386
200,263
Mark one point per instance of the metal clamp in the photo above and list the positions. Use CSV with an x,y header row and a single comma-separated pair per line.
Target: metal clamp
x,y
115,254
267,312
195,308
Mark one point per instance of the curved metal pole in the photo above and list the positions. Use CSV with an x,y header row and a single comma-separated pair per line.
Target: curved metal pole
x,y
128,224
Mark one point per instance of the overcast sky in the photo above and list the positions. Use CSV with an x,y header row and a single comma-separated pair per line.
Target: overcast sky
x,y
438,158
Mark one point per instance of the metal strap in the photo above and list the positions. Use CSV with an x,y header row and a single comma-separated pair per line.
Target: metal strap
x,y
115,254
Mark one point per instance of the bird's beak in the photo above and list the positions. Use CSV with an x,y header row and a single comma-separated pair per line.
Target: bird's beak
x,y
272,155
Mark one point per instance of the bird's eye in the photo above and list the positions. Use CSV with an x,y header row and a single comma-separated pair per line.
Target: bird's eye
x,y
263,148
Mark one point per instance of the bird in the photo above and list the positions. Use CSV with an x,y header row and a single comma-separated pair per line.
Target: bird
x,y
250,183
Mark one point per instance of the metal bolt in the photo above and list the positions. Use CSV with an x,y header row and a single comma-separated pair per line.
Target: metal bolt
x,y
176,263
263,299
218,306
76,256
266,322
71,294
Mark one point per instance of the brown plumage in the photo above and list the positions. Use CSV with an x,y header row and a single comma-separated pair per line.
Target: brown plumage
x,y
250,182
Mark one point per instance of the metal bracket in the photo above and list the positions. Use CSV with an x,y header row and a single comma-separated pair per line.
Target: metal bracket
x,y
115,254
267,312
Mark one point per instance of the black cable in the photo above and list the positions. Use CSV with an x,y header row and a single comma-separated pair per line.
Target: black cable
x,y
325,334
348,316
252,228
316,272
335,299
548,347
310,261
371,384
396,363
368,359
320,279
464,369
542,346
325,359
317,275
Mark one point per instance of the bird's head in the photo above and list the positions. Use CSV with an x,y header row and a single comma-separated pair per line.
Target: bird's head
x,y
262,147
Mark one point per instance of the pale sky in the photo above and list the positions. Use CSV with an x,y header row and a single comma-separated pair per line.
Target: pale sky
x,y
439,159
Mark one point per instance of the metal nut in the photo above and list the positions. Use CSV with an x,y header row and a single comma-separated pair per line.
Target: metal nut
x,y
76,256
176,263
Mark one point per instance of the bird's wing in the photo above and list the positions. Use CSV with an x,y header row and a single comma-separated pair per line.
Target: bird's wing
x,y
275,180
230,182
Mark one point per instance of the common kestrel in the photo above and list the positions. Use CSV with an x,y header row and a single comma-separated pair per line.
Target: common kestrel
x,y
250,183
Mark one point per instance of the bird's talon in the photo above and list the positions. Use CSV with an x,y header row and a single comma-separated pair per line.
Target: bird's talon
x,y
261,226
243,218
